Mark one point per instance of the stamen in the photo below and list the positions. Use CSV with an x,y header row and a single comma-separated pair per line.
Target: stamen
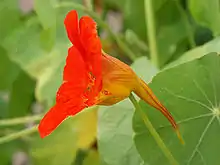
x,y
105,92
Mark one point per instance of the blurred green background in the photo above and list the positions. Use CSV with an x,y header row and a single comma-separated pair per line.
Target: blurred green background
x,y
175,42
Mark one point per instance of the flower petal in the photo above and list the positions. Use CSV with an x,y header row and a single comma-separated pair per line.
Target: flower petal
x,y
53,118
75,69
93,51
69,101
86,41
88,30
72,27
89,37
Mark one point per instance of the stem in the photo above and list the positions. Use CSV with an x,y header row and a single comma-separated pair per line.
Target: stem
x,y
101,23
17,135
153,132
150,25
20,120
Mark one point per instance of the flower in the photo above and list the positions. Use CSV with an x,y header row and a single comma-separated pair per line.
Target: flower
x,y
92,77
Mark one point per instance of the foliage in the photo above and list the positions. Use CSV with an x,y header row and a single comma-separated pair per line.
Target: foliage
x,y
33,48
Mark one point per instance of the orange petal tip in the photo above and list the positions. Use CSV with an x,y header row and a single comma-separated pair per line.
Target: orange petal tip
x,y
180,137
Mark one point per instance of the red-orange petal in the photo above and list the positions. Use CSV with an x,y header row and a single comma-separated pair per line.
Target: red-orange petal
x,y
93,50
83,35
69,101
75,68
51,120
54,117
72,27
88,31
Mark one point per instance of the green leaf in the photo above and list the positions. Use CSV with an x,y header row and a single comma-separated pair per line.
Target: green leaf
x,y
115,135
115,132
56,149
168,38
198,52
46,13
47,16
168,9
48,38
135,41
50,80
194,100
170,21
8,70
144,68
21,96
9,17
206,13
23,47
134,10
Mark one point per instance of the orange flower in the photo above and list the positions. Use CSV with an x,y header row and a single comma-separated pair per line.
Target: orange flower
x,y
92,77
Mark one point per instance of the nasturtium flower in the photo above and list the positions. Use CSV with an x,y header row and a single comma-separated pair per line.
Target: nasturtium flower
x,y
92,77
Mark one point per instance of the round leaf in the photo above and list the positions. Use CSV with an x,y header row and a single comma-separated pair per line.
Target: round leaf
x,y
191,92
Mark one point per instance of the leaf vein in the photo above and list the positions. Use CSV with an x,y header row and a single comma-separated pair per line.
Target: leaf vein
x,y
203,92
200,140
189,99
202,158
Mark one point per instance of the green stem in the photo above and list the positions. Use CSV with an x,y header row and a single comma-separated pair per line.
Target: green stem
x,y
17,135
150,26
20,120
153,132
102,24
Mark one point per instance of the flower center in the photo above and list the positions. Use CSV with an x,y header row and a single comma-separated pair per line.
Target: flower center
x,y
91,81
